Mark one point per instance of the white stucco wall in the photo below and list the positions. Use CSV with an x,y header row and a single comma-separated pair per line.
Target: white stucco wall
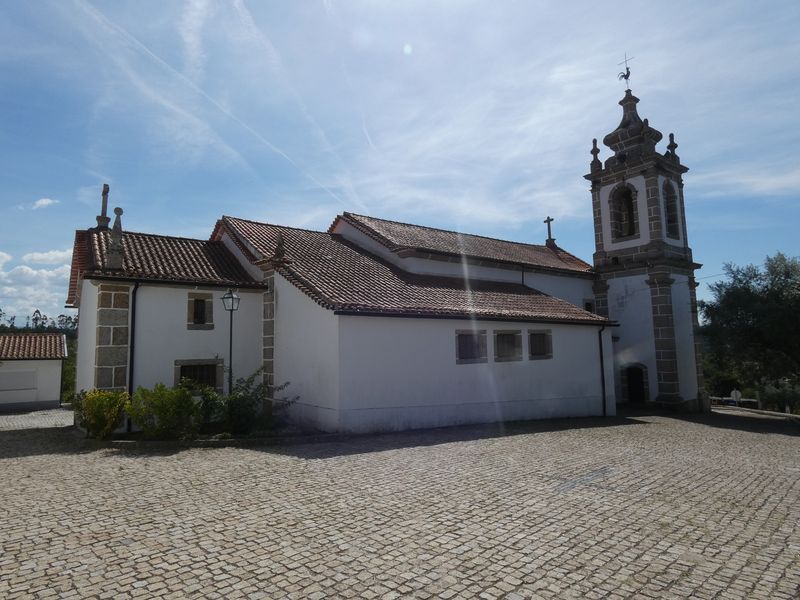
x,y
629,303
29,384
162,335
684,337
401,373
87,337
307,356
605,216
575,290
254,272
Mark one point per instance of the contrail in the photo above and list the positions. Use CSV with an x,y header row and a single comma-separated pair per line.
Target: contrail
x,y
99,16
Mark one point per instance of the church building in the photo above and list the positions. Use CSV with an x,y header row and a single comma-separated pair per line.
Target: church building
x,y
381,325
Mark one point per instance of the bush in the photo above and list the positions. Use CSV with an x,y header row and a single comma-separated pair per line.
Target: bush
x,y
99,411
164,412
213,405
777,397
245,404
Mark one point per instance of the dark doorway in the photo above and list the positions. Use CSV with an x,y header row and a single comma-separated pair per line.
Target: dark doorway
x,y
635,380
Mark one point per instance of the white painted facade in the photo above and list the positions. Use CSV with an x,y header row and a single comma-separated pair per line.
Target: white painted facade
x,y
360,374
29,384
629,303
87,336
402,374
307,356
162,335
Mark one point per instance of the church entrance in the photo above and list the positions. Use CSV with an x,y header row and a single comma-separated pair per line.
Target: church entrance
x,y
634,377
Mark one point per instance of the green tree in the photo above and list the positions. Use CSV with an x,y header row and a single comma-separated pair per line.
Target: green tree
x,y
752,323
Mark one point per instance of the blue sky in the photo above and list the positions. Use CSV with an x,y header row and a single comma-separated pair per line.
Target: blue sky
x,y
475,116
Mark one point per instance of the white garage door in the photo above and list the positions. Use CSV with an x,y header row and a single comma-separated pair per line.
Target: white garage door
x,y
17,386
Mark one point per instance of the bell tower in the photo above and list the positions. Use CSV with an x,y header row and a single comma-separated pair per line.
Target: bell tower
x,y
643,263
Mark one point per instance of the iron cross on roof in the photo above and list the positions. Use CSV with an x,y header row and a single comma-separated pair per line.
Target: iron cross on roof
x,y
626,74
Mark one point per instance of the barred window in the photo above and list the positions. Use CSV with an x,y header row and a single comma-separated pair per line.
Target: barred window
x,y
507,345
540,344
471,346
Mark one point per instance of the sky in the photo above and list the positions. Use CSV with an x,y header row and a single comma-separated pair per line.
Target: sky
x,y
472,116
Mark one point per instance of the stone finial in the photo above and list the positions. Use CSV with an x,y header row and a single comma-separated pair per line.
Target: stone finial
x,y
116,252
103,219
671,147
633,136
595,165
279,255
280,248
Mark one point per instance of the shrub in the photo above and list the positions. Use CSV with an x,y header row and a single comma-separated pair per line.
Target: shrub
x,y
213,405
99,411
164,412
245,404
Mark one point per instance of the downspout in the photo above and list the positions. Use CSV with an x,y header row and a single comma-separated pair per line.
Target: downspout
x,y
132,345
602,367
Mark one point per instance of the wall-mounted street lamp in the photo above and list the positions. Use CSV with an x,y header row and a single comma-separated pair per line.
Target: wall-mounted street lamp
x,y
231,303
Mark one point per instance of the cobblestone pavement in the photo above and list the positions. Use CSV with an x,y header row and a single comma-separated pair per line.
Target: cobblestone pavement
x,y
644,506
56,417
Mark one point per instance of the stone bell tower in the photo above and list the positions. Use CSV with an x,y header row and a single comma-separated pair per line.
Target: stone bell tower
x,y
644,266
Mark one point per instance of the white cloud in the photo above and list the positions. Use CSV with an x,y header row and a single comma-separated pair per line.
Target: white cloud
x,y
4,258
24,289
51,257
43,203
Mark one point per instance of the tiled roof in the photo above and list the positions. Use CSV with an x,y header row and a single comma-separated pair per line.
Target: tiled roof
x,y
80,262
32,346
157,258
344,277
402,236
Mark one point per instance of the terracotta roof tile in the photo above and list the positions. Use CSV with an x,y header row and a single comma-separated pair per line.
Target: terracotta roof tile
x,y
81,260
400,236
344,277
33,346
158,258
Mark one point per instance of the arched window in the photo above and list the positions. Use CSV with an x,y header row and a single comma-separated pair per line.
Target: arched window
x,y
624,214
671,211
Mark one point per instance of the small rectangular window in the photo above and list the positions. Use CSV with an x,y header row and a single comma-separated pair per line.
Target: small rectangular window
x,y
540,344
471,347
507,345
588,305
200,311
201,374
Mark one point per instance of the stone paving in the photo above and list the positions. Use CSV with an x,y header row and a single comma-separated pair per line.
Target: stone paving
x,y
644,506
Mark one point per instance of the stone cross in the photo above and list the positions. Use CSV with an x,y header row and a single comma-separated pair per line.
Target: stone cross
x,y
549,220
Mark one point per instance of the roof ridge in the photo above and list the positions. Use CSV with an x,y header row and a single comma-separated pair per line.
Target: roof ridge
x,y
275,225
475,235
157,235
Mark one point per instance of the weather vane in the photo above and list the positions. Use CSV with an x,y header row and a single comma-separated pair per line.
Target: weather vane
x,y
626,74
